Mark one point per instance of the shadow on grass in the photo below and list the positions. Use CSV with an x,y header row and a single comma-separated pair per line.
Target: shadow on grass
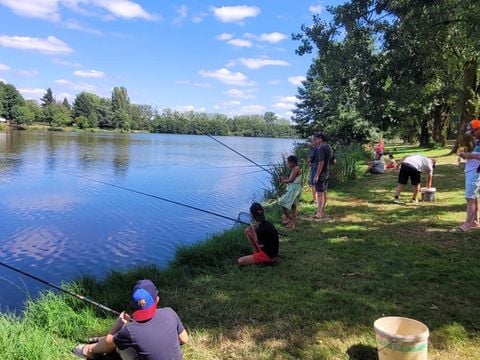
x,y
362,352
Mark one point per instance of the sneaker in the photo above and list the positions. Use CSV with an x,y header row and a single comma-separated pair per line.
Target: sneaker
x,y
78,351
396,201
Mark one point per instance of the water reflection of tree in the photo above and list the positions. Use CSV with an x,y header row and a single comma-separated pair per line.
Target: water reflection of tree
x,y
96,152
121,157
14,144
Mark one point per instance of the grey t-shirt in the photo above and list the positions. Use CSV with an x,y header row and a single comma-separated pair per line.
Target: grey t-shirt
x,y
379,166
325,153
419,162
155,339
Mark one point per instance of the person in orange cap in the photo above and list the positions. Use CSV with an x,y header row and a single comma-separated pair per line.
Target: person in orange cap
x,y
472,179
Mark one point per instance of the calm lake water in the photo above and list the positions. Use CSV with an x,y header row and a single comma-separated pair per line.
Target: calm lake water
x,y
58,222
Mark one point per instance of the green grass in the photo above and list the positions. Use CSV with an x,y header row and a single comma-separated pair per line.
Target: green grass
x,y
334,279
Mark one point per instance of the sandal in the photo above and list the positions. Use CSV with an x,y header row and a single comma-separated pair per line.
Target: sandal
x,y
460,229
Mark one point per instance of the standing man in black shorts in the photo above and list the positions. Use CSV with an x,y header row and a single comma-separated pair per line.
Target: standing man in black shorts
x,y
324,160
412,167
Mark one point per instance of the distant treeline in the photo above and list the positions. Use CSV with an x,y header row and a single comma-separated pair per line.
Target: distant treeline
x,y
89,111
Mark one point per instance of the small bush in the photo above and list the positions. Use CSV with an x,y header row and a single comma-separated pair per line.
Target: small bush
x,y
347,160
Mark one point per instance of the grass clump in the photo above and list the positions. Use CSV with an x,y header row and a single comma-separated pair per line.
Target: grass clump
x,y
372,258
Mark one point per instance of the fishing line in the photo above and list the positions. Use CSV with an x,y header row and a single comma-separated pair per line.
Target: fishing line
x,y
164,199
80,297
246,158
158,197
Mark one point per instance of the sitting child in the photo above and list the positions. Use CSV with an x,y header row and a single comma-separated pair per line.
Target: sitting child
x,y
391,163
263,238
376,166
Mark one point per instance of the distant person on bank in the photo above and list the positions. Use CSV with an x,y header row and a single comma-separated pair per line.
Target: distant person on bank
x,y
411,168
324,160
154,334
377,166
472,179
289,201
263,238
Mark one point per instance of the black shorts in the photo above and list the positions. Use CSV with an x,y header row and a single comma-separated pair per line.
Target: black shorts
x,y
322,184
408,171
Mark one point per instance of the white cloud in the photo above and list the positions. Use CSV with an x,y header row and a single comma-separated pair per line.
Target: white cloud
x,y
235,14
50,45
198,18
42,9
28,73
226,77
186,108
252,109
282,105
76,86
49,9
66,63
4,67
227,105
290,99
272,38
95,74
257,63
75,25
297,80
241,94
224,37
240,43
125,9
31,93
316,9
182,14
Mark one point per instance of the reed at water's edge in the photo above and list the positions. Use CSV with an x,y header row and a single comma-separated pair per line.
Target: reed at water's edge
x,y
334,278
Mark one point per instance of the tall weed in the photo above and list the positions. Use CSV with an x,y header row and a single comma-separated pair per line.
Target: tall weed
x,y
347,159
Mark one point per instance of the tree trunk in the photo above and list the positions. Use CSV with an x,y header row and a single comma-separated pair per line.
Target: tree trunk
x,y
440,121
467,106
424,135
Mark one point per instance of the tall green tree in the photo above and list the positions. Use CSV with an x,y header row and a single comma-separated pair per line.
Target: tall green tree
x,y
10,99
86,104
47,98
121,108
394,63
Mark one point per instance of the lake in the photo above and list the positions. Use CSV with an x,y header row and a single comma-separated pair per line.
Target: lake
x,y
60,216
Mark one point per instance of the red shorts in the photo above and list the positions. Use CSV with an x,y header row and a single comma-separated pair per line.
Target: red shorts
x,y
261,258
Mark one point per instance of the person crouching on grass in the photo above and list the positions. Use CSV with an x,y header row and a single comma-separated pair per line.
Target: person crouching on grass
x,y
263,238
291,198
153,335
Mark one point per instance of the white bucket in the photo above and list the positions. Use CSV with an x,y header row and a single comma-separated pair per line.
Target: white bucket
x,y
428,194
400,338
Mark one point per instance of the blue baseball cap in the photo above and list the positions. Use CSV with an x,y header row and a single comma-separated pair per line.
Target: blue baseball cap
x,y
144,296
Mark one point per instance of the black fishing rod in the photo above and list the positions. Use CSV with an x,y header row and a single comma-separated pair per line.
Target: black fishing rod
x,y
246,158
80,297
165,199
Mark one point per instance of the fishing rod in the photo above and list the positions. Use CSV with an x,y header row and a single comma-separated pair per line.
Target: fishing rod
x,y
236,152
80,297
165,199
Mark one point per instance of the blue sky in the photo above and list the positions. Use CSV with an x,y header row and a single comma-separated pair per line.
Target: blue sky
x,y
227,57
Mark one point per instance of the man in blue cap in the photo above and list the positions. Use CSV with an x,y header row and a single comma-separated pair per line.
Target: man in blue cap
x,y
154,334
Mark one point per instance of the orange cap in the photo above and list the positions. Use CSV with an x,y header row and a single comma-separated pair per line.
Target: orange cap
x,y
473,125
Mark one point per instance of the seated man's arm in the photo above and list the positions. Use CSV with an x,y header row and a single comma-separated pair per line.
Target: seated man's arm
x,y
183,337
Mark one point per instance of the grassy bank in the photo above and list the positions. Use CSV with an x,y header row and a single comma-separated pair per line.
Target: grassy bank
x,y
335,277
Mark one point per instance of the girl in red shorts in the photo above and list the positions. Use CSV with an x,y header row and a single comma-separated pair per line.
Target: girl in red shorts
x,y
263,237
